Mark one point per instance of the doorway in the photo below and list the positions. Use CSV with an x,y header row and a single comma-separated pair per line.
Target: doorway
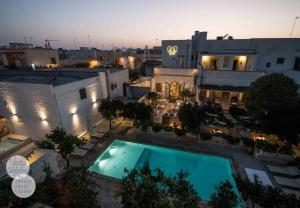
x,y
235,64
125,89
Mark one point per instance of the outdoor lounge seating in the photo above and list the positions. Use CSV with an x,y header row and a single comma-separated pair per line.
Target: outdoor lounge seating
x,y
261,176
295,183
288,191
87,146
79,152
290,170
274,157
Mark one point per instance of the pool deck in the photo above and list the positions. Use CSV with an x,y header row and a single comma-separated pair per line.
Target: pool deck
x,y
237,155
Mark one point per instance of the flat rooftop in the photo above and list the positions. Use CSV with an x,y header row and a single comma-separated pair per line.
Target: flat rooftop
x,y
54,78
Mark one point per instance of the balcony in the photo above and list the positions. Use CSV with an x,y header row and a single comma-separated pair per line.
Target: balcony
x,y
228,78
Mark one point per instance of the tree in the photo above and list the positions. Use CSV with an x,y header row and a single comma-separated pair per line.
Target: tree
x,y
109,109
152,96
82,188
65,142
146,188
133,75
224,196
140,113
7,198
186,93
252,191
190,115
143,113
272,99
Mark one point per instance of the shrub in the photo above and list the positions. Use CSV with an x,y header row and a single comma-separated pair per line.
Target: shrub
x,y
168,129
248,142
213,108
237,111
231,139
266,146
144,127
156,127
205,136
179,132
286,149
45,145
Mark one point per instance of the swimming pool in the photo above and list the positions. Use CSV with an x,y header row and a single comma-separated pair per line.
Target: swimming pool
x,y
8,144
205,171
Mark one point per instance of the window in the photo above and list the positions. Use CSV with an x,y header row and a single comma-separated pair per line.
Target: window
x,y
82,93
53,60
158,87
226,62
268,65
280,60
297,64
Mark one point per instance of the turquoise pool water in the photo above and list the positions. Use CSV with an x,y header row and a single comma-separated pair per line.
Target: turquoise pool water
x,y
205,171
8,144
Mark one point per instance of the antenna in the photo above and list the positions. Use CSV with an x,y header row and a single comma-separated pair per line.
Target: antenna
x,y
75,43
89,40
25,39
293,27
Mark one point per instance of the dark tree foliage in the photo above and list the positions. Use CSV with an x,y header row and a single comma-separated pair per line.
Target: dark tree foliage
x,y
224,196
265,196
65,142
82,188
145,188
153,96
133,75
138,112
272,99
110,109
190,115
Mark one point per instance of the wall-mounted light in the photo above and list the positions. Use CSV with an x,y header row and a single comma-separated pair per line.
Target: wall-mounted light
x,y
17,119
44,122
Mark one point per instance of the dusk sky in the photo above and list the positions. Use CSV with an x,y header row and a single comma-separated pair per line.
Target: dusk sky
x,y
135,23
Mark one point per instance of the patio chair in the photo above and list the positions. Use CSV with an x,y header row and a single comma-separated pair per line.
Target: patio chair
x,y
88,146
295,183
79,152
261,176
293,192
290,170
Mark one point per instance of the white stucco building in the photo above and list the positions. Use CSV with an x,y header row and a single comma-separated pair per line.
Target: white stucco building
x,y
226,67
18,57
33,103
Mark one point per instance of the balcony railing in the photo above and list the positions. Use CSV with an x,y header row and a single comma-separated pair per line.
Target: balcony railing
x,y
229,78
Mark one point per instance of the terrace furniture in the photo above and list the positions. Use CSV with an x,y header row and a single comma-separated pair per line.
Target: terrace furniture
x,y
261,176
289,191
98,134
87,146
290,170
79,152
220,122
217,100
274,157
295,183
212,115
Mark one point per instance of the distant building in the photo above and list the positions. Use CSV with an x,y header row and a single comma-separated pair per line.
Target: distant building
x,y
35,102
21,55
227,67
136,57
92,58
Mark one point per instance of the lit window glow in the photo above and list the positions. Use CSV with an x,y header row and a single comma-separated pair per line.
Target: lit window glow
x,y
172,50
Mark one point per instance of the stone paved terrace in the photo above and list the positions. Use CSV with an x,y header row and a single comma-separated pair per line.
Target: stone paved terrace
x,y
240,159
